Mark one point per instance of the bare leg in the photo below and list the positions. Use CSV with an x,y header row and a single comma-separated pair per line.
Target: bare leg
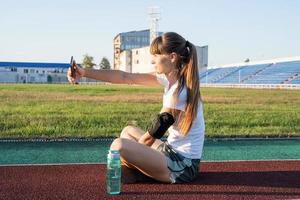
x,y
134,133
144,158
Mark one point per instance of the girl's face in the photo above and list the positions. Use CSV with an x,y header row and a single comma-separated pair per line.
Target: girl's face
x,y
163,63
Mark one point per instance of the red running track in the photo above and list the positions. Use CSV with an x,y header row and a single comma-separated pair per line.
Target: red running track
x,y
217,180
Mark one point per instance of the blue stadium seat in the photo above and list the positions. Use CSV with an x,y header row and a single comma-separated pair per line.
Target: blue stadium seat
x,y
271,73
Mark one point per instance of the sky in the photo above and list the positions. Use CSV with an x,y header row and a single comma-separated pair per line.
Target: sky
x,y
55,30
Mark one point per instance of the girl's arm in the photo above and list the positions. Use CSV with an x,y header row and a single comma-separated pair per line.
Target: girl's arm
x,y
147,139
117,76
112,76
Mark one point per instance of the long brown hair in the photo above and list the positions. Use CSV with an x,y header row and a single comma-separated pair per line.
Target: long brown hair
x,y
187,72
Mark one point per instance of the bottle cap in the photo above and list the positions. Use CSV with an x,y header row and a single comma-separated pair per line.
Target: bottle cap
x,y
113,154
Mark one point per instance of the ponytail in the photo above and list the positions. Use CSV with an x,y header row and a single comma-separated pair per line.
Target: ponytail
x,y
190,78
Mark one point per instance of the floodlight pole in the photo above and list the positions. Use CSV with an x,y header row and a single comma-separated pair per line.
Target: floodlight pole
x,y
154,14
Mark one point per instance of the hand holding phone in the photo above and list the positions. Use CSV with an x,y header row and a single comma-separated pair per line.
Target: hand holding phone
x,y
73,70
72,67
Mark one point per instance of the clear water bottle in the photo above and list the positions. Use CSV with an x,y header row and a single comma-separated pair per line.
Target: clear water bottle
x,y
113,176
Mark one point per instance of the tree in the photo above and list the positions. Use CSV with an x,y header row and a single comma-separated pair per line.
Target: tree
x,y
104,63
88,61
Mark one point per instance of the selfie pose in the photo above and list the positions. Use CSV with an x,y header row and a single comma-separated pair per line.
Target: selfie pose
x,y
177,159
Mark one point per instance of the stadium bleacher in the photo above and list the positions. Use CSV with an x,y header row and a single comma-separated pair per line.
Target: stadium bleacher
x,y
295,81
216,74
287,72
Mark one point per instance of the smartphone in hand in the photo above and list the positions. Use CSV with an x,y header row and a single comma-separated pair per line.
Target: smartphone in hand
x,y
73,70
72,67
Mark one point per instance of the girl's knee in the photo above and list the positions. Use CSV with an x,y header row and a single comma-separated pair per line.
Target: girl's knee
x,y
120,144
116,144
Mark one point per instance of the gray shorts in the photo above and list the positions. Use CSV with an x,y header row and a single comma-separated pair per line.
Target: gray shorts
x,y
182,170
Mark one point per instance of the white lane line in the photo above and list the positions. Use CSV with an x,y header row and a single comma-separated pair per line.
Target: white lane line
x,y
268,160
47,164
102,163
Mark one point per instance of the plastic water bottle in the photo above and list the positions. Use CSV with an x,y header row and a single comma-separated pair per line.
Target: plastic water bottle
x,y
113,176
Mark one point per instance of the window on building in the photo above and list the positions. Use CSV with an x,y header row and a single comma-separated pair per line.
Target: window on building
x,y
26,71
137,61
31,71
137,52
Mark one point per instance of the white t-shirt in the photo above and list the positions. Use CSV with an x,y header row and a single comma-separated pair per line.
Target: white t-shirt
x,y
191,145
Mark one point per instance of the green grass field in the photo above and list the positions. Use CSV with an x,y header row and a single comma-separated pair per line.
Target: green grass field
x,y
71,111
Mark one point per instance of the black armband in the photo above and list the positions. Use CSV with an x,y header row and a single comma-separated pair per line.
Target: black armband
x,y
160,125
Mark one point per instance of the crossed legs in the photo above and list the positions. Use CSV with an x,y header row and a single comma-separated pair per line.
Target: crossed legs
x,y
144,158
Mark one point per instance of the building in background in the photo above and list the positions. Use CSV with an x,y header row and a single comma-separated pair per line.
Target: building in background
x,y
132,53
141,60
32,72
125,42
27,72
202,54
